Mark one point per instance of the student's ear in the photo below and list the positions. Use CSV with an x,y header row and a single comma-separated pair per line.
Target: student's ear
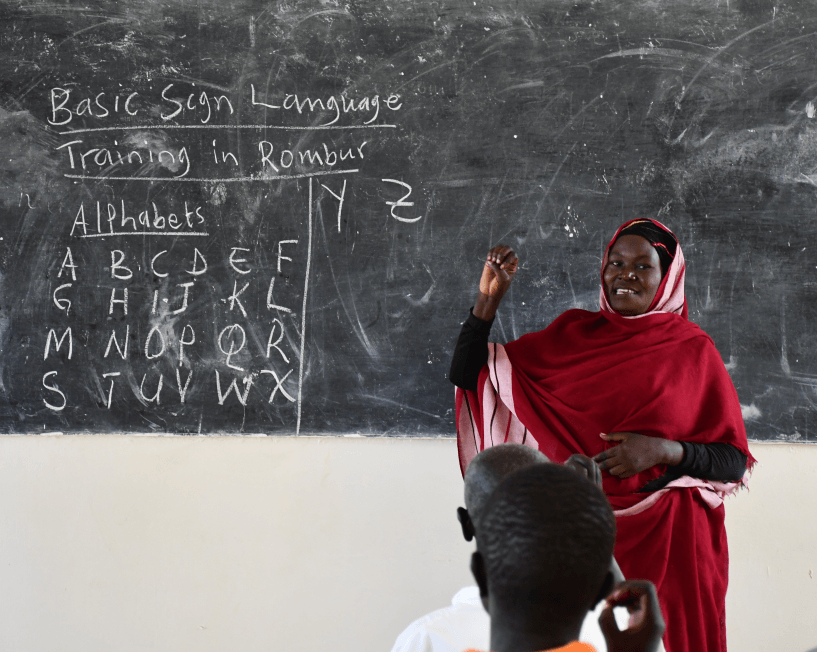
x,y
606,587
618,576
465,521
478,571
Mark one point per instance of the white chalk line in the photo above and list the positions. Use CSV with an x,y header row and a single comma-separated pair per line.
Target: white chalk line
x,y
229,180
71,132
199,234
303,310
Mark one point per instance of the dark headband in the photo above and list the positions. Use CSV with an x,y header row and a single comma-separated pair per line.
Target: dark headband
x,y
662,241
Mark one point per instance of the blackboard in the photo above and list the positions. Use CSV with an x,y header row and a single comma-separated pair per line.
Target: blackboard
x,y
270,217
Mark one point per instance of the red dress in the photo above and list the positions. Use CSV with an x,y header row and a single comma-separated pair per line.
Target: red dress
x,y
658,375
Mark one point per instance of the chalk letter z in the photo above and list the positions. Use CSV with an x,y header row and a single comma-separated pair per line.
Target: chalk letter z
x,y
401,202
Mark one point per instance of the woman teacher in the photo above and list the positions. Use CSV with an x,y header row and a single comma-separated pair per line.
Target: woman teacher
x,y
644,392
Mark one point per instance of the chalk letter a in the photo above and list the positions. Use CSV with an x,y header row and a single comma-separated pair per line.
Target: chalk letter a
x,y
79,220
68,262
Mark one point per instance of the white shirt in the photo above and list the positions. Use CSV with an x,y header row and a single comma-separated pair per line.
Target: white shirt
x,y
462,626
466,625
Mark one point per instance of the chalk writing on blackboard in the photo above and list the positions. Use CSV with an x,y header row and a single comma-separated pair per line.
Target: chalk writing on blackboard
x,y
129,145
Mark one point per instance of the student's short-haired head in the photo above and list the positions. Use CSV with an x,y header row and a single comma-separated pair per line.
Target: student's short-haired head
x,y
488,469
546,539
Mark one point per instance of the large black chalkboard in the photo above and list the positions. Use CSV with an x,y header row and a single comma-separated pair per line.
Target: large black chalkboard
x,y
251,216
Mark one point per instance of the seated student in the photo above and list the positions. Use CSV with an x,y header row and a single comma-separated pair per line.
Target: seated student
x,y
546,538
465,624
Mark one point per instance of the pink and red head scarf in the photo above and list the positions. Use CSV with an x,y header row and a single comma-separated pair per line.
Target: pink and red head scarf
x,y
670,295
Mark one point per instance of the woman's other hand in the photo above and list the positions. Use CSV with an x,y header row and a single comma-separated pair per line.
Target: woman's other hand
x,y
500,267
646,625
635,453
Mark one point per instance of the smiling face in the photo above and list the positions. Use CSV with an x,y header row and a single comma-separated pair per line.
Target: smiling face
x,y
632,275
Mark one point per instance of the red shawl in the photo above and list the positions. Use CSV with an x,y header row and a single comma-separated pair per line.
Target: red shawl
x,y
656,374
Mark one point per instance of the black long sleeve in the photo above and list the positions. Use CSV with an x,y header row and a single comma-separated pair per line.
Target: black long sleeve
x,y
470,352
720,462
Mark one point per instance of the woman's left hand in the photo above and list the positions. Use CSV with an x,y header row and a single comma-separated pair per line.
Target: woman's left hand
x,y
636,453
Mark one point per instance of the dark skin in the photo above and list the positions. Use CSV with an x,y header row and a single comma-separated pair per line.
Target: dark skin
x,y
497,274
636,453
582,465
515,630
632,275
646,621
631,279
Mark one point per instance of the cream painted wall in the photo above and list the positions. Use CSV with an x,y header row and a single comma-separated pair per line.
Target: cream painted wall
x,y
145,543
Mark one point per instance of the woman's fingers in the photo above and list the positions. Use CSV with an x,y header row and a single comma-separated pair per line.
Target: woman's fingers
x,y
499,253
613,466
630,454
618,470
603,462
494,255
504,257
509,261
612,462
617,466
615,436
608,458
497,274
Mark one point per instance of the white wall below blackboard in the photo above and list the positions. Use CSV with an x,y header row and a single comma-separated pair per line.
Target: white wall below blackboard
x,y
212,544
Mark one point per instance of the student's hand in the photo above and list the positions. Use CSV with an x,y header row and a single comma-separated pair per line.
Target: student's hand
x,y
500,267
586,467
646,622
636,453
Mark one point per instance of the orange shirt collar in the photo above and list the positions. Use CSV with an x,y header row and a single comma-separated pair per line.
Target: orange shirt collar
x,y
575,646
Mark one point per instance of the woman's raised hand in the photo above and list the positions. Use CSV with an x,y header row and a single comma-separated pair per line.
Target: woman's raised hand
x,y
500,267
498,272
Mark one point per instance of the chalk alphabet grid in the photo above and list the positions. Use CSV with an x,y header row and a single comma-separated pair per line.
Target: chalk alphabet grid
x,y
270,217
